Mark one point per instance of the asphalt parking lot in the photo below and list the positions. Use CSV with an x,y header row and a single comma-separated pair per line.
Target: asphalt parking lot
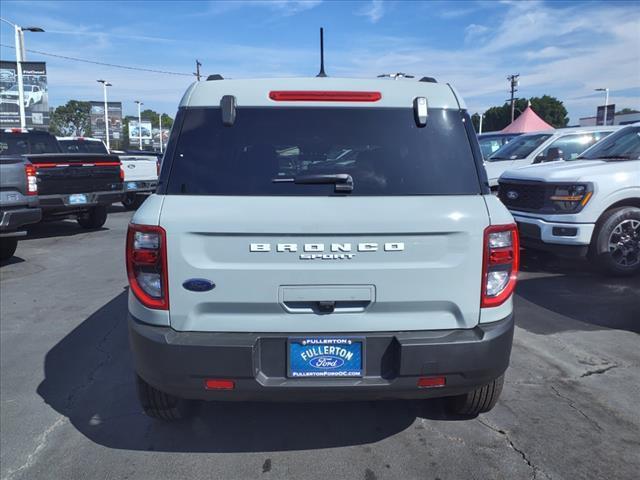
x,y
68,407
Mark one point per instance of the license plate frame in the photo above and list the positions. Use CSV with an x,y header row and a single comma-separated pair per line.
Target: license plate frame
x,y
78,199
323,362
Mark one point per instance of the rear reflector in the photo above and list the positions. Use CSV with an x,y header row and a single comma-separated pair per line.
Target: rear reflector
x,y
219,384
431,382
323,96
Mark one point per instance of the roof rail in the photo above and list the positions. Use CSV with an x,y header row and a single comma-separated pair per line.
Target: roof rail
x,y
428,79
215,76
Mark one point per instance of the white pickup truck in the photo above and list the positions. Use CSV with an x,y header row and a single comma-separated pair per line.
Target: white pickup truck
x,y
587,206
140,170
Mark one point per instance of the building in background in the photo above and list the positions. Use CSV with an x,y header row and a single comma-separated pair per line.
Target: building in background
x,y
114,115
36,98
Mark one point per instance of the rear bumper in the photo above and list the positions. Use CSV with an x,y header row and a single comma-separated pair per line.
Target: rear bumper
x,y
140,186
569,239
60,204
179,362
14,219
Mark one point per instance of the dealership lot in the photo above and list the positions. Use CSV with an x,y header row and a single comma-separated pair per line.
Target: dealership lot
x,y
68,406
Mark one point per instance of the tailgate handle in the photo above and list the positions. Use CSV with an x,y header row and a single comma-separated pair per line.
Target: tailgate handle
x,y
326,299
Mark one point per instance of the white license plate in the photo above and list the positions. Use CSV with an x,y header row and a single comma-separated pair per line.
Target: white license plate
x,y
77,199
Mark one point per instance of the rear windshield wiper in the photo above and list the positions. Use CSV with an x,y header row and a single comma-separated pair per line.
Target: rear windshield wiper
x,y
342,181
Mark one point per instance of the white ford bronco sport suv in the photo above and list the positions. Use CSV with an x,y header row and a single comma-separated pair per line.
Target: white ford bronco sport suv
x,y
321,239
587,206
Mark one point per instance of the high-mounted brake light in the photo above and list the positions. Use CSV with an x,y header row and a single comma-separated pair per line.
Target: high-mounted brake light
x,y
500,264
32,179
147,265
323,96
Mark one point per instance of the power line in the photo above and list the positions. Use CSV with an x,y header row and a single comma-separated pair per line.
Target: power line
x,y
113,65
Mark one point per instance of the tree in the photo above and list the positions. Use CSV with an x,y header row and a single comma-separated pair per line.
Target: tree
x,y
625,111
549,108
153,117
71,120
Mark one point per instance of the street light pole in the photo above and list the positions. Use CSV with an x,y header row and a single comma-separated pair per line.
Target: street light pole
x,y
513,80
21,57
606,102
481,117
160,125
139,123
106,84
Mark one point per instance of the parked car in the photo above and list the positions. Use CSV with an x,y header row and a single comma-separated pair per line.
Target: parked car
x,y
490,142
541,147
18,201
32,95
271,266
80,185
587,206
140,170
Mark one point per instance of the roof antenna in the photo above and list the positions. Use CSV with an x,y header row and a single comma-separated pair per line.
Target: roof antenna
x,y
321,74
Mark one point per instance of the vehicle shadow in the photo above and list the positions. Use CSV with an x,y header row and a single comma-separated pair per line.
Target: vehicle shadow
x,y
573,296
56,228
12,261
89,379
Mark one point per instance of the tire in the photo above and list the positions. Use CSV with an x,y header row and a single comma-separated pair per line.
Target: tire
x,y
481,400
8,247
132,201
94,218
160,405
615,246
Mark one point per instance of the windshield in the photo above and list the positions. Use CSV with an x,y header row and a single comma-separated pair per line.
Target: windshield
x,y
520,147
82,146
13,89
380,148
623,145
490,144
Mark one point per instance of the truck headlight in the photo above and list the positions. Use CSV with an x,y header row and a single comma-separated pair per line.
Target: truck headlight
x,y
570,198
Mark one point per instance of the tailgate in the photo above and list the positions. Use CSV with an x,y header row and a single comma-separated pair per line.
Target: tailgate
x,y
139,168
383,263
76,173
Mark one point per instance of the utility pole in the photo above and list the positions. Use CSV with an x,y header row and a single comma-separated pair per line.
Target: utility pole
x,y
139,122
106,84
513,80
198,65
606,102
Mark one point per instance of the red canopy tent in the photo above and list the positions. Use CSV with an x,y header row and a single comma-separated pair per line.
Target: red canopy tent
x,y
528,121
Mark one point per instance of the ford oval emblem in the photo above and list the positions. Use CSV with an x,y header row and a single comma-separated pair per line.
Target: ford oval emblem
x,y
326,361
199,285
512,195
131,165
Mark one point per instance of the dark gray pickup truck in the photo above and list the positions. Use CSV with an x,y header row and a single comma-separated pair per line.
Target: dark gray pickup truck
x,y
80,185
18,202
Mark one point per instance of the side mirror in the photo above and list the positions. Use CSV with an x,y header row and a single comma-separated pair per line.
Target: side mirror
x,y
554,154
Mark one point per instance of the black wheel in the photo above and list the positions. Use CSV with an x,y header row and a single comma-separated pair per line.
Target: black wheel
x,y
94,218
160,405
8,247
481,400
132,201
615,246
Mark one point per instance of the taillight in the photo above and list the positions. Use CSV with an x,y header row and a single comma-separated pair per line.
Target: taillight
x,y
121,174
147,265
500,264
158,167
32,179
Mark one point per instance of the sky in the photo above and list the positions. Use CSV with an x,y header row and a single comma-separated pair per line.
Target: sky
x,y
564,49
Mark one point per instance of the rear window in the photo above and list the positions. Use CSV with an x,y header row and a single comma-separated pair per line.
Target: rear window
x,y
82,146
24,143
381,148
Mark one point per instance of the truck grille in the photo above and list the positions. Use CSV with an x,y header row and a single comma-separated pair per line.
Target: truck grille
x,y
522,196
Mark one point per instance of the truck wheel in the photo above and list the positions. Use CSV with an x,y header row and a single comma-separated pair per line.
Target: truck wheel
x,y
94,218
132,201
8,247
481,400
160,405
615,246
